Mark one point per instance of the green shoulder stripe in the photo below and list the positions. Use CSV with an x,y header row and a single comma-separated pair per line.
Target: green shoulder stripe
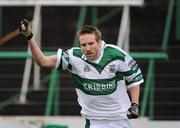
x,y
77,52
111,54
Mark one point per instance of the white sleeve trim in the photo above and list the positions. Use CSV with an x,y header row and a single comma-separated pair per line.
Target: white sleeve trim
x,y
59,55
135,84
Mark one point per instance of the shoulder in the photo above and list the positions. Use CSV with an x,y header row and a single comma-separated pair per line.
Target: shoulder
x,y
115,50
75,51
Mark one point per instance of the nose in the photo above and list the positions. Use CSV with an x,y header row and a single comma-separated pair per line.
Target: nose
x,y
87,47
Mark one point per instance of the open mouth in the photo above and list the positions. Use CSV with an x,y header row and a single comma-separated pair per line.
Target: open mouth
x,y
88,54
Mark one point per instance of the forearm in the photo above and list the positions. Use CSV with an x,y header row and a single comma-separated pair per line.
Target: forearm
x,y
39,57
42,60
36,51
133,111
135,92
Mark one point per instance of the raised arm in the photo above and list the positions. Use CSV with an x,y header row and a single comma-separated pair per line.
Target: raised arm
x,y
39,57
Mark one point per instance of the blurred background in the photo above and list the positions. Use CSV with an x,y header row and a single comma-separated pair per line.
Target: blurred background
x,y
148,29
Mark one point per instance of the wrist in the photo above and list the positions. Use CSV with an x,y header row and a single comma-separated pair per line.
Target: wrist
x,y
135,104
29,36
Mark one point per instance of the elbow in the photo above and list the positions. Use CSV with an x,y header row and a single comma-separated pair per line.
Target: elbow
x,y
41,62
45,62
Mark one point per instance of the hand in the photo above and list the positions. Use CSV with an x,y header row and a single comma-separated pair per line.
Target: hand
x,y
25,29
133,111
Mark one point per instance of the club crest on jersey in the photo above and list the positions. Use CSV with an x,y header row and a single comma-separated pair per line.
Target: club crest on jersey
x,y
112,68
133,65
86,68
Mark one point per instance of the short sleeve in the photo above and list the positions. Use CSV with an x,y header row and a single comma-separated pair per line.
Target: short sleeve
x,y
131,72
62,60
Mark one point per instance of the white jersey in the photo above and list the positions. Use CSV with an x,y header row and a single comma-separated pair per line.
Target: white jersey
x,y
102,85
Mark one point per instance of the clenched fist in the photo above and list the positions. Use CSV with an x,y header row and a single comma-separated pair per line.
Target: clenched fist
x,y
25,29
133,111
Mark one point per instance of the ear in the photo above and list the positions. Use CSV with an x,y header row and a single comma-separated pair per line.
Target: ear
x,y
99,43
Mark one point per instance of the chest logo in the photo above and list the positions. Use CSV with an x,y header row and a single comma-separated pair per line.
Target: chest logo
x,y
112,68
86,68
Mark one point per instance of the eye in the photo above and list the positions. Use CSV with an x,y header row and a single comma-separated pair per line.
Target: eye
x,y
91,43
83,45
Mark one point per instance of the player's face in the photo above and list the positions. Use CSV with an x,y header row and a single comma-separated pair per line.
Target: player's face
x,y
90,46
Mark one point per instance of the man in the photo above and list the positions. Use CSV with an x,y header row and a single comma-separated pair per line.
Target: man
x,y
102,74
